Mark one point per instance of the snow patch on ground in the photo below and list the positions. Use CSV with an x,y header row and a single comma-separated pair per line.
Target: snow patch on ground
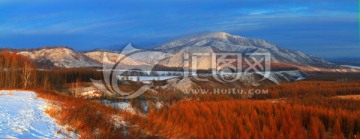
x,y
126,106
158,105
22,116
118,121
293,75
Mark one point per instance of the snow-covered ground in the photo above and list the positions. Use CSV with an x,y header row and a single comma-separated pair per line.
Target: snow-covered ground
x,y
22,116
126,106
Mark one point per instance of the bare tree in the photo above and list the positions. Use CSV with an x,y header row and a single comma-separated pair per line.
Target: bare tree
x,y
27,71
75,87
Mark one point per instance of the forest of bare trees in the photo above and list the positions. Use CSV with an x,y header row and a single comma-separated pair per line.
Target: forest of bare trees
x,y
304,109
17,71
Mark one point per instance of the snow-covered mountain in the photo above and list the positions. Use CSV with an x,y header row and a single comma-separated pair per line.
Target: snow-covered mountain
x,y
62,57
133,56
171,54
112,57
224,42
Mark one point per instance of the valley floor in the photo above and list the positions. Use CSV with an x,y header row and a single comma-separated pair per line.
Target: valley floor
x,y
22,116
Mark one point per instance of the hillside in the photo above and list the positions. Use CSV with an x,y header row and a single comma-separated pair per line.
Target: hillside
x,y
222,42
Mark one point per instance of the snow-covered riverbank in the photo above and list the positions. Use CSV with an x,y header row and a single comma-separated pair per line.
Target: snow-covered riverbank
x,y
22,116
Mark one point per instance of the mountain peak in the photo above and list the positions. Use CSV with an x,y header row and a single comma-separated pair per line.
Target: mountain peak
x,y
226,43
218,35
214,35
221,40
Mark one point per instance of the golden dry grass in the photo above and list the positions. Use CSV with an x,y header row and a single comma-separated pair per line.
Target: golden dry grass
x,y
353,97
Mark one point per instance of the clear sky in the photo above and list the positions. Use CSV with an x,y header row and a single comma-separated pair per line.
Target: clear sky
x,y
328,28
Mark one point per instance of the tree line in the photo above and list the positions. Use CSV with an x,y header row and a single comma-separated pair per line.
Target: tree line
x,y
19,72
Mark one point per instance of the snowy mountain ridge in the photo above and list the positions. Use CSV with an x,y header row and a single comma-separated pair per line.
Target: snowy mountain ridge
x,y
224,42
60,57
171,53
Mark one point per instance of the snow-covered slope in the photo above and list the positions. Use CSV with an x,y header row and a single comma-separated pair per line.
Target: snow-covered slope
x,y
61,57
138,57
22,116
224,42
112,57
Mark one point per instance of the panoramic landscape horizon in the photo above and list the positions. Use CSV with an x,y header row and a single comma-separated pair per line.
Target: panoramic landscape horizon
x,y
180,69
323,28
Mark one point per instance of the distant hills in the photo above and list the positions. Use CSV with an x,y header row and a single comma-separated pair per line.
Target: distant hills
x,y
170,54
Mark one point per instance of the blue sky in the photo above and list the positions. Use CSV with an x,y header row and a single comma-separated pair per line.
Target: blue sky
x,y
328,28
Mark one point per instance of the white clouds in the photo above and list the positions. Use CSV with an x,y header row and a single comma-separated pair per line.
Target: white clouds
x,y
117,21
93,26
278,10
